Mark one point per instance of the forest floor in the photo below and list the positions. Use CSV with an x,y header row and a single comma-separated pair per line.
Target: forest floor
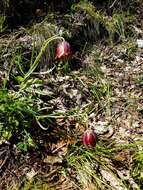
x,y
104,92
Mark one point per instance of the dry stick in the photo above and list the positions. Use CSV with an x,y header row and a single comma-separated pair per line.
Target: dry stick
x,y
113,4
56,150
44,72
3,163
41,126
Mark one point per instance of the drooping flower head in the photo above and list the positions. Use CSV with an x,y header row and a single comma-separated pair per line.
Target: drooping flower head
x,y
63,50
89,138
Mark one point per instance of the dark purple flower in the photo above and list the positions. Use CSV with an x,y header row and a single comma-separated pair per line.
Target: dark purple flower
x,y
63,50
89,138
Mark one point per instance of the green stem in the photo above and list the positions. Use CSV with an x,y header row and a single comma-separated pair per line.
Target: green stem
x,y
36,62
43,49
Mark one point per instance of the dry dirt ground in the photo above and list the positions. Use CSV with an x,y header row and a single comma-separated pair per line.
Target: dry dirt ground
x,y
116,113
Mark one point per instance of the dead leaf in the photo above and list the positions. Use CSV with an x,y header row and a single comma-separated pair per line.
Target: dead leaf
x,y
53,160
31,174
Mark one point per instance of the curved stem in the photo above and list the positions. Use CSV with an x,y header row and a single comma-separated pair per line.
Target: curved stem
x,y
43,49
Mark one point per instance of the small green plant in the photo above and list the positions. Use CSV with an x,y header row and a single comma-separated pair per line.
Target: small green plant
x,y
137,171
97,168
18,109
118,24
88,164
16,115
32,184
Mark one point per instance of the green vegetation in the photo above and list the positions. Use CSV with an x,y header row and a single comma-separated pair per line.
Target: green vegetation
x,y
2,20
46,103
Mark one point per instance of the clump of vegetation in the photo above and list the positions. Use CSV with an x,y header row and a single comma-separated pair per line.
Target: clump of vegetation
x,y
115,26
2,24
16,117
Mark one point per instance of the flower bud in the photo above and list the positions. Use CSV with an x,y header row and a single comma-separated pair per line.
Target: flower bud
x,y
89,138
63,50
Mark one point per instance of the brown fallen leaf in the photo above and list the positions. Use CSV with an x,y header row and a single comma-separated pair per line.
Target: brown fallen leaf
x,y
122,156
53,159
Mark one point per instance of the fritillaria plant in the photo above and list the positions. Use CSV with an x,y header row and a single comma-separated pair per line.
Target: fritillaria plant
x,y
63,53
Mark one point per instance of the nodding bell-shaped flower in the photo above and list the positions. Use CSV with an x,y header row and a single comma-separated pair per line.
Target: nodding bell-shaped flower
x,y
63,50
89,138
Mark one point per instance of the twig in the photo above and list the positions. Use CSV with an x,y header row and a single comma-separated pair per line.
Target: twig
x,y
45,72
3,163
56,150
41,126
113,4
